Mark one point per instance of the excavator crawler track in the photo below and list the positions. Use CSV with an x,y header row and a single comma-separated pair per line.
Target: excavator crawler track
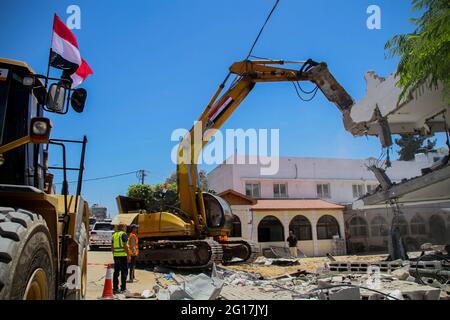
x,y
184,255
248,252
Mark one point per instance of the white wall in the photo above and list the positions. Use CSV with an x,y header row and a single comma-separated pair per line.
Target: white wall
x,y
303,174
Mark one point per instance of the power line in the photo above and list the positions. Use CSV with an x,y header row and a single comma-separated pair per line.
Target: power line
x,y
262,29
106,177
256,40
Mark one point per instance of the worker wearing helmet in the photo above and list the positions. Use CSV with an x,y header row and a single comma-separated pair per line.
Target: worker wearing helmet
x,y
133,250
120,253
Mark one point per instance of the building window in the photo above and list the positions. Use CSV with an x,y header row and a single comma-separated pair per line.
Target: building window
x,y
270,229
379,227
327,228
280,190
418,225
236,227
358,190
301,227
371,188
253,190
323,191
358,228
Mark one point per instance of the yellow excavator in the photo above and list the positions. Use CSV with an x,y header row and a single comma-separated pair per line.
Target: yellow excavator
x,y
195,235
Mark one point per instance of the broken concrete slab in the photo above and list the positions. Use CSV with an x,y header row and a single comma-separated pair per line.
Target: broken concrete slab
x,y
280,252
345,294
198,287
277,261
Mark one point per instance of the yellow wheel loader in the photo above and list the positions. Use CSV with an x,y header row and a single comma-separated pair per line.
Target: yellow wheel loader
x,y
43,237
194,236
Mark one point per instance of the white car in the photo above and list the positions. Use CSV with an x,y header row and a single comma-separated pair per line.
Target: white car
x,y
101,235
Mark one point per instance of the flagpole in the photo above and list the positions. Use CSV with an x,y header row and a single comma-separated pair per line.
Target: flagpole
x,y
50,53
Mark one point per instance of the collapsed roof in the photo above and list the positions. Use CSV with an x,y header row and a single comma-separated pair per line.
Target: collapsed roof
x,y
425,114
379,113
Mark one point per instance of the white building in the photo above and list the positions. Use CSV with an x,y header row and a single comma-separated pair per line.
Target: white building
x,y
336,180
308,196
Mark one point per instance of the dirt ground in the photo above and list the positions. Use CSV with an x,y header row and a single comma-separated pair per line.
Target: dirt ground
x,y
306,264
146,279
96,276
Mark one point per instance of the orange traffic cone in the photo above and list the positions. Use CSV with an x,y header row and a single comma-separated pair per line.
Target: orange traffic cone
x,y
107,288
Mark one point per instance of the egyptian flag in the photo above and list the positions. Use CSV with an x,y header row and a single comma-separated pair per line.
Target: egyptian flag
x,y
220,108
64,54
81,74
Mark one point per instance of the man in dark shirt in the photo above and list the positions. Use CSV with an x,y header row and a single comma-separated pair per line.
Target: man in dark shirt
x,y
292,241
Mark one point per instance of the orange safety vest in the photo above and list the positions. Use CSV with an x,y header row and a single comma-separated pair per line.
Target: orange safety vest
x,y
136,241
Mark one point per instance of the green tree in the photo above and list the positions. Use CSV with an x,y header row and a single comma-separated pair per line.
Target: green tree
x,y
172,178
154,196
410,145
203,176
425,53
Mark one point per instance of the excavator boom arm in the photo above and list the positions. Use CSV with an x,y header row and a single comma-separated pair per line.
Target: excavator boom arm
x,y
221,107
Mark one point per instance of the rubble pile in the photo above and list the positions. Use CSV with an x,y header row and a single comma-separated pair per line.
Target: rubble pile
x,y
335,280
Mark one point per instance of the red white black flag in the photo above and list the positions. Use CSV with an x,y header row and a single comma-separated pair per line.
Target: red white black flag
x,y
81,74
65,54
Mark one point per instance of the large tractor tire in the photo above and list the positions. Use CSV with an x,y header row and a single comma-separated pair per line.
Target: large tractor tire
x,y
80,293
26,257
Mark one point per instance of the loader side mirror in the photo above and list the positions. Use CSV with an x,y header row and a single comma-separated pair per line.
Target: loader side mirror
x,y
78,99
56,97
40,129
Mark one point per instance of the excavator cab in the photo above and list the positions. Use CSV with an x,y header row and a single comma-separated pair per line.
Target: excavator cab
x,y
218,212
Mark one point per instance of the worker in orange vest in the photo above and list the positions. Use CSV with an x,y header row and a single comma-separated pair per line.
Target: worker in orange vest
x,y
133,249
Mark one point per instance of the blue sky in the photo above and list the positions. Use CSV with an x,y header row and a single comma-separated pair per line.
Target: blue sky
x,y
157,64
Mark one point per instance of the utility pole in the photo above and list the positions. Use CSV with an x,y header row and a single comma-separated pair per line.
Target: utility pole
x,y
141,174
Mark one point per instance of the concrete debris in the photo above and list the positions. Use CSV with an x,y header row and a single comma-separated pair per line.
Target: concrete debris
x,y
380,285
401,274
343,294
146,294
339,280
198,287
329,256
280,252
350,266
277,261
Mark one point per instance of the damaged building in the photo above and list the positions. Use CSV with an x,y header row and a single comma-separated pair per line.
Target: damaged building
x,y
420,204
314,197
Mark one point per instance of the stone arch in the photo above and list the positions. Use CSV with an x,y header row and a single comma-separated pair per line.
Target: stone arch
x,y
379,227
270,229
400,222
438,232
418,225
358,227
327,227
302,228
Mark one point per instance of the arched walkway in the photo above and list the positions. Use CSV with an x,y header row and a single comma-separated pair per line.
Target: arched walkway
x,y
438,231
327,228
379,227
358,228
301,227
270,229
418,226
